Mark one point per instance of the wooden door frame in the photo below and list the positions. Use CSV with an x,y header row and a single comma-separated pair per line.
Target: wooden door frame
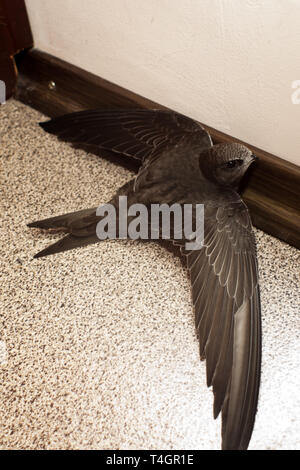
x,y
15,35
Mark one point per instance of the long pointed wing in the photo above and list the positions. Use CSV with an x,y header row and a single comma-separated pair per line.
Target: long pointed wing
x,y
137,133
227,315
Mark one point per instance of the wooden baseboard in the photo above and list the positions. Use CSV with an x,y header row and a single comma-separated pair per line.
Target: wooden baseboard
x,y
55,87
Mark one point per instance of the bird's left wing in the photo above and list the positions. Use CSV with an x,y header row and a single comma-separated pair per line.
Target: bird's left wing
x,y
226,302
137,133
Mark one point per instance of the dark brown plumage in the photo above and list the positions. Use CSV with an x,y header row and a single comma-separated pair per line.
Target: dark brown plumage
x,y
179,164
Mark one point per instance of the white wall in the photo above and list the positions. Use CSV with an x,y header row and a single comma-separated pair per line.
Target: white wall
x,y
227,63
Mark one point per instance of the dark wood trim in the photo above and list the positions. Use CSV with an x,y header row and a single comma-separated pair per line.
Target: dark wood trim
x,y
272,192
15,35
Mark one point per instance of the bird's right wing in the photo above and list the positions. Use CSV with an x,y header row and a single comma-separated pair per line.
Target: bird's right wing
x,y
139,133
226,302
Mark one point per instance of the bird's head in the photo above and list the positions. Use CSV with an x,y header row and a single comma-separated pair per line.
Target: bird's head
x,y
226,164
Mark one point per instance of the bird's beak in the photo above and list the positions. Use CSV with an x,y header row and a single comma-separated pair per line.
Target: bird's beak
x,y
252,159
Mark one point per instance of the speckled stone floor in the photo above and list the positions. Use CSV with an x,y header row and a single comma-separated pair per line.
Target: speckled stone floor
x,y
97,345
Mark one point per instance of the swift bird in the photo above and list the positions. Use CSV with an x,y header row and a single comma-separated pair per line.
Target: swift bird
x,y
179,164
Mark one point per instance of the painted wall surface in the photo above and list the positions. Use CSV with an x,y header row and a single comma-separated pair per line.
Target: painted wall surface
x,y
230,64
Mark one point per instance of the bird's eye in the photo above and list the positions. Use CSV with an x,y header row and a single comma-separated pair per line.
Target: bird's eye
x,y
234,163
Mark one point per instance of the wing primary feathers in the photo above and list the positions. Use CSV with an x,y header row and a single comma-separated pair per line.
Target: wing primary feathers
x,y
243,392
253,376
200,301
143,130
227,317
223,368
212,348
207,316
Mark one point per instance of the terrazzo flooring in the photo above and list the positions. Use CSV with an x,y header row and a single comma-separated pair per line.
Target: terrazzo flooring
x,y
97,345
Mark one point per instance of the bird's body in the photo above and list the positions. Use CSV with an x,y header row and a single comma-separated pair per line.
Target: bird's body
x,y
180,165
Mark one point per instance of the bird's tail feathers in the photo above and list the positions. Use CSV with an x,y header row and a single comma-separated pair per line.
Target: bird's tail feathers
x,y
81,226
67,243
62,221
